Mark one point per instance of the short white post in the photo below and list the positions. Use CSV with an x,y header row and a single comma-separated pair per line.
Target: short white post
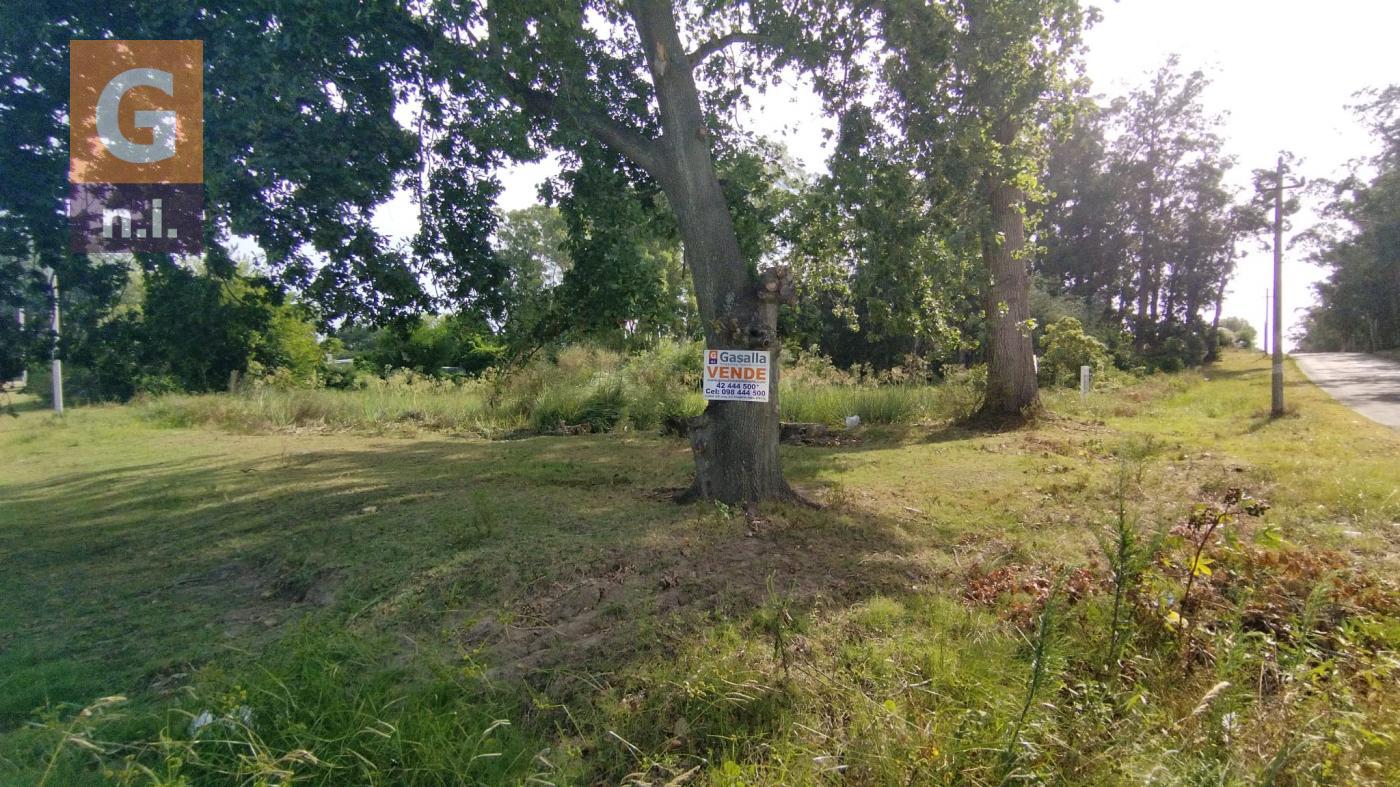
x,y
57,339
1086,381
23,373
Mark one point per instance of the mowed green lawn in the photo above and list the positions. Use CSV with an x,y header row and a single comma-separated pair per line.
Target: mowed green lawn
x,y
438,609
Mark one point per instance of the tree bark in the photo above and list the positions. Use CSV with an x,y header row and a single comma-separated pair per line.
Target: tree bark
x,y
735,443
1213,353
1011,383
1147,257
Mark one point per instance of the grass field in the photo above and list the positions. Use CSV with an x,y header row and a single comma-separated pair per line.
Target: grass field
x,y
335,607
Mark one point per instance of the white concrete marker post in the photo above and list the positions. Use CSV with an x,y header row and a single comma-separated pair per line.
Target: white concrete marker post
x,y
1086,381
57,372
23,373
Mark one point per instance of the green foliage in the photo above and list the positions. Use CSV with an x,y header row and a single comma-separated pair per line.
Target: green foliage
x,y
1128,553
1179,347
1358,307
177,329
531,243
1065,348
1241,333
298,163
875,284
403,401
1041,653
891,404
202,328
615,236
431,345
13,358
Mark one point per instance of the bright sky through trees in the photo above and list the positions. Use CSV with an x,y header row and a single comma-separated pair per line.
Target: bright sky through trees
x,y
1283,71
1282,74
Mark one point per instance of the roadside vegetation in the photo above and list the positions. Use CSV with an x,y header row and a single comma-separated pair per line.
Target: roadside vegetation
x,y
589,388
582,388
1159,585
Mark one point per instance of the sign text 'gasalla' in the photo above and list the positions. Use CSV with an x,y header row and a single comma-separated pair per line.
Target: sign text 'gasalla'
x,y
736,375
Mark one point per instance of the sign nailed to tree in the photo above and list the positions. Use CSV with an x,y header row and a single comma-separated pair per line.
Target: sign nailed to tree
x,y
736,375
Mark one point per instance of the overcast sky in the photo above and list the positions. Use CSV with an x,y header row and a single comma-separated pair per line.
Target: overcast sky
x,y
1282,73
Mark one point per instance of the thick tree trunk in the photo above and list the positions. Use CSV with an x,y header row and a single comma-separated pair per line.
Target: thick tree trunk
x,y
1011,383
1214,351
1146,260
735,443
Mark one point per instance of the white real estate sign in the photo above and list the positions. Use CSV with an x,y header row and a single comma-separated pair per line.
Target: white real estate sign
x,y
735,375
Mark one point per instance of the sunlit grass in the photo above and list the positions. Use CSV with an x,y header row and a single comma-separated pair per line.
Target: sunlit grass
x,y
384,596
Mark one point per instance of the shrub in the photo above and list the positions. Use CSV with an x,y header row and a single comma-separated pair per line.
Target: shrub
x,y
961,393
604,408
812,368
1242,331
1066,348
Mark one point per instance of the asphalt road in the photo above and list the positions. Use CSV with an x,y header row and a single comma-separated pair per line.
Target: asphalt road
x,y
1368,384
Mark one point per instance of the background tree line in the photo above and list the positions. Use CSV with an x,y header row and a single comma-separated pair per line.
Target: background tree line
x,y
1358,305
1134,235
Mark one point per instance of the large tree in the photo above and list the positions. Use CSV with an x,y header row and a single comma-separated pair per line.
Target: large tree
x,y
587,73
1164,154
975,83
1143,227
1082,230
1358,305
302,143
884,272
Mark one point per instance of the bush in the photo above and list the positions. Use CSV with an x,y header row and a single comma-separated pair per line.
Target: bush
x,y
604,408
1242,331
811,367
961,393
1066,348
344,377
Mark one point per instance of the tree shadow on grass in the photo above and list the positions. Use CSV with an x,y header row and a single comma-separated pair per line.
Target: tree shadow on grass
x,y
537,554
959,431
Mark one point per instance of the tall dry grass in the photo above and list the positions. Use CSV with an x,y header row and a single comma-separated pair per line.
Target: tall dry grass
x,y
582,387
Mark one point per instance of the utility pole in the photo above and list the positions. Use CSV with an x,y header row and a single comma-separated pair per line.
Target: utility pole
x,y
1279,186
1278,293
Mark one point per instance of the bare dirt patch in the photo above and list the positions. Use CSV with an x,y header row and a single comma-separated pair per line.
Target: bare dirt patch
x,y
810,558
256,595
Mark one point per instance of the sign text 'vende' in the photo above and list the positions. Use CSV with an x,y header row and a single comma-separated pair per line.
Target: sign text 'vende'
x,y
735,375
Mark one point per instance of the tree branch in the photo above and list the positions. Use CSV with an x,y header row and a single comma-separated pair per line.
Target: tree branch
x,y
645,152
716,44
